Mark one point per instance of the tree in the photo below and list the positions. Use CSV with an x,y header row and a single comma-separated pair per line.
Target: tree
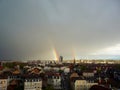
x,y
19,88
8,65
49,87
61,71
82,67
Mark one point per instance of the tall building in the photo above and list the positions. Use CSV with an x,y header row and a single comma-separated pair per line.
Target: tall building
x,y
60,59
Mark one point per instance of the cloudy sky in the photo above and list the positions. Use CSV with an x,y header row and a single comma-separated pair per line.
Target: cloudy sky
x,y
45,29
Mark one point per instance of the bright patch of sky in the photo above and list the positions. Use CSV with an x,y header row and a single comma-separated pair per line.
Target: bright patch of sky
x,y
112,50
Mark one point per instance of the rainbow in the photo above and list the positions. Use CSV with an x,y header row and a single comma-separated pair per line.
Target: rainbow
x,y
54,51
55,54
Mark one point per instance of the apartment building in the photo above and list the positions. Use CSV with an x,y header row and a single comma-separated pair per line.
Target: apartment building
x,y
3,84
83,85
33,84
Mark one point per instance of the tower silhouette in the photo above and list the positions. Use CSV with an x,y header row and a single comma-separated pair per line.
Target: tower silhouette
x,y
61,59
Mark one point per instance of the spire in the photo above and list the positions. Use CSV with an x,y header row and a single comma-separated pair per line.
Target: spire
x,y
74,61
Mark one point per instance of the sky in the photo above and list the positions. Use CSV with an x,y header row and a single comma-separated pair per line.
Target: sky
x,y
47,29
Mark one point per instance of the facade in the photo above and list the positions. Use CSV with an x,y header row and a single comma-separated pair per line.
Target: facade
x,y
83,85
33,84
55,80
49,80
14,77
60,59
88,74
3,84
66,70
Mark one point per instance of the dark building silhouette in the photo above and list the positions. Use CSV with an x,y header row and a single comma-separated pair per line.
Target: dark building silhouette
x,y
74,61
61,59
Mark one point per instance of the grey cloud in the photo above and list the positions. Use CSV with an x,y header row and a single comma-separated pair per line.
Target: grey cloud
x,y
27,28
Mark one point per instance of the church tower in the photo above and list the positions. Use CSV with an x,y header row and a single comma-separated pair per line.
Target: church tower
x,y
74,62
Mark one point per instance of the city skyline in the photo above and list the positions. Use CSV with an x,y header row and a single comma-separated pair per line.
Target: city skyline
x,y
47,29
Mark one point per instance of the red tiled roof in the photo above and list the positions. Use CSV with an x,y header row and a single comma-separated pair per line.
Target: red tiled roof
x,y
74,75
56,74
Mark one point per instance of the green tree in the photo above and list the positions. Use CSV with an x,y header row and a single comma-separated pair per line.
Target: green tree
x,y
82,67
9,65
49,87
19,88
61,71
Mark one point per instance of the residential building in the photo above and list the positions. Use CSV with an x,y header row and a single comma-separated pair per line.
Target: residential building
x,y
54,79
83,85
88,74
3,84
33,84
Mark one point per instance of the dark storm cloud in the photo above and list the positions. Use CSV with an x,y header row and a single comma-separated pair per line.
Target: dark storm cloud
x,y
30,29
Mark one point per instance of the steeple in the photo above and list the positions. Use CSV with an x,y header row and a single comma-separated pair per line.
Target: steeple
x,y
74,62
